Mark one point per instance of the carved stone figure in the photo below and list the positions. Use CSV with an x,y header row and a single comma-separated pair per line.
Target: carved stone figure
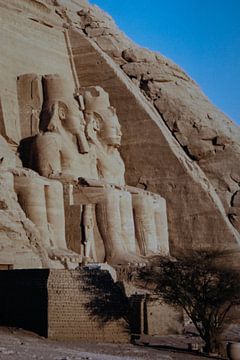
x,y
81,153
61,147
42,201
104,131
39,198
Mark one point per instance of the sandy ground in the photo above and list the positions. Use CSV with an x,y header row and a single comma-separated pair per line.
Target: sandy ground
x,y
18,344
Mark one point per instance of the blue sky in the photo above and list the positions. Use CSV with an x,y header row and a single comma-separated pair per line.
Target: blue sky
x,y
202,36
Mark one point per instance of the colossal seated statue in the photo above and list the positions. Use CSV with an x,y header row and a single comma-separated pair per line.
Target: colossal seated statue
x,y
40,200
142,214
132,222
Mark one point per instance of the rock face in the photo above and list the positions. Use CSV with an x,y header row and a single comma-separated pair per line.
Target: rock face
x,y
175,142
17,233
205,134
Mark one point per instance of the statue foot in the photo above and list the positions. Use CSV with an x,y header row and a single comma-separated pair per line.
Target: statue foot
x,y
64,255
126,259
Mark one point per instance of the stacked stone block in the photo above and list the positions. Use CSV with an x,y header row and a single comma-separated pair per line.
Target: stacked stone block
x,y
71,312
63,304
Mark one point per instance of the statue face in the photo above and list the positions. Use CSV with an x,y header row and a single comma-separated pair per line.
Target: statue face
x,y
71,117
111,129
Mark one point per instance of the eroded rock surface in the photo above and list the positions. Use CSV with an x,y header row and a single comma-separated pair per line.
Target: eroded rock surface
x,y
175,142
206,135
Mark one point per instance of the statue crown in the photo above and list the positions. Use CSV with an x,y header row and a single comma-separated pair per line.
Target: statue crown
x,y
96,99
56,88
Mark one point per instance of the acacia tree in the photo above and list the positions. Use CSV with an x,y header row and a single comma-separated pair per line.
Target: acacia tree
x,y
200,286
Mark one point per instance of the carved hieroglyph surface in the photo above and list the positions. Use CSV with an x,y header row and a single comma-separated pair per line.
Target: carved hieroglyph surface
x,y
174,143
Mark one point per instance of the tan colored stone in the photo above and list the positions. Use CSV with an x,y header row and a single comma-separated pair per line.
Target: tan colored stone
x,y
30,102
75,5
234,216
138,55
20,241
185,148
69,147
193,204
178,98
110,45
147,71
236,199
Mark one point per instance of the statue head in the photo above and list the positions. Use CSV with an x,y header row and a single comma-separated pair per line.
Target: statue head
x,y
59,106
99,110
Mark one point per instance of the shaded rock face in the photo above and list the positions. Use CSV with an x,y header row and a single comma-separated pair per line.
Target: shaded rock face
x,y
175,142
206,135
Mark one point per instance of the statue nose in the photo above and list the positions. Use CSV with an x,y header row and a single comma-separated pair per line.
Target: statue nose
x,y
51,126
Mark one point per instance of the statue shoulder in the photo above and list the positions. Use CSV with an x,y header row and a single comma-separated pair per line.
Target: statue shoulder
x,y
50,139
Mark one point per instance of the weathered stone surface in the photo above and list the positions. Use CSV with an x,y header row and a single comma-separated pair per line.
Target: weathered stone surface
x,y
19,237
151,71
71,144
159,162
110,45
236,199
175,142
205,134
74,5
138,55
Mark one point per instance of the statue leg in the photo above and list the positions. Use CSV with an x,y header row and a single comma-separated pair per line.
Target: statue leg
x,y
127,222
55,212
144,217
56,219
161,224
31,196
88,226
109,222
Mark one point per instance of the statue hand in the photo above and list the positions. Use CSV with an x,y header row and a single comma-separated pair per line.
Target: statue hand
x,y
23,172
64,178
55,175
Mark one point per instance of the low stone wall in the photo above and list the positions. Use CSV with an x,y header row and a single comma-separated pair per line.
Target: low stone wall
x,y
161,319
84,305
73,305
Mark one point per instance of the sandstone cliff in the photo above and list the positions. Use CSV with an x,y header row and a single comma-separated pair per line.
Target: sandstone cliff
x,y
175,142
205,134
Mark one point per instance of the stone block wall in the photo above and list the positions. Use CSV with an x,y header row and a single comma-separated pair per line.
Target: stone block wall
x,y
81,305
63,305
79,310
161,319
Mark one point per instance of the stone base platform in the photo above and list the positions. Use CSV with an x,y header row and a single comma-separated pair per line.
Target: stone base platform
x,y
75,305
